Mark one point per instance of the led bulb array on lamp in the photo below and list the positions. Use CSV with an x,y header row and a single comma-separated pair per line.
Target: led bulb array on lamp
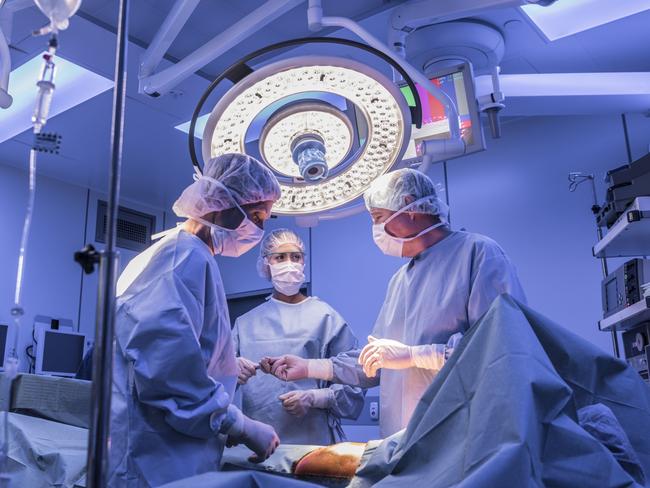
x,y
377,98
331,128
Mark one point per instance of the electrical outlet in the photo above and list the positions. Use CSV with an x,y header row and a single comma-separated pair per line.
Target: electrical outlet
x,y
369,415
374,410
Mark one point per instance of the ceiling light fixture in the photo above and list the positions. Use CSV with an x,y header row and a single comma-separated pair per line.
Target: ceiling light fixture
x,y
326,126
566,18
380,103
74,85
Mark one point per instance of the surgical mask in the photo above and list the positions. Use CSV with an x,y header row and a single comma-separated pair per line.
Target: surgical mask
x,y
287,277
394,246
233,242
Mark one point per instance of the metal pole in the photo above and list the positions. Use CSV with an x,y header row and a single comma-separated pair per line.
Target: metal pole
x,y
603,263
104,330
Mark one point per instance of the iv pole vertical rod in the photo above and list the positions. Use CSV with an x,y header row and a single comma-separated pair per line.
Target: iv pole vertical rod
x,y
98,444
603,264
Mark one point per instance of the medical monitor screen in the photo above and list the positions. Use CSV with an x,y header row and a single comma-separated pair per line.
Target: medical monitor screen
x,y
458,85
62,353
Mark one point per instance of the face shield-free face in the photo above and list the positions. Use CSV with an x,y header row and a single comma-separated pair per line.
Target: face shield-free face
x,y
394,246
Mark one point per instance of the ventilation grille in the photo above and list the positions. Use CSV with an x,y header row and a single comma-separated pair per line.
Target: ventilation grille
x,y
134,228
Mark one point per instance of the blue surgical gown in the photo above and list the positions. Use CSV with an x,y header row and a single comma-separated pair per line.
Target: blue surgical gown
x,y
310,329
442,291
174,369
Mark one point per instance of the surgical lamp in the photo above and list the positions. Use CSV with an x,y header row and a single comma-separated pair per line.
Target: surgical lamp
x,y
324,156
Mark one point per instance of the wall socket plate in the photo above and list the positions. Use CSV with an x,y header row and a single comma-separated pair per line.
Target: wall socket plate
x,y
373,410
369,415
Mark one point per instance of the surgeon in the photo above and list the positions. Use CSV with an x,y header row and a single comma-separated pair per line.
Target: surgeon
x,y
448,283
308,411
175,369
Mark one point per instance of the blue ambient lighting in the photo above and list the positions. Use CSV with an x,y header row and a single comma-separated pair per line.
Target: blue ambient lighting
x,y
198,130
74,85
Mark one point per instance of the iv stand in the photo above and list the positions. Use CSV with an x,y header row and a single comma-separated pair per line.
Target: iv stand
x,y
98,437
575,179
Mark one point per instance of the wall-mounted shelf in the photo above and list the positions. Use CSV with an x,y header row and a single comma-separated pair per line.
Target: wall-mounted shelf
x,y
628,318
630,235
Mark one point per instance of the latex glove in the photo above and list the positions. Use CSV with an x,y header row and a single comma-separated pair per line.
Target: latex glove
x,y
434,356
258,437
384,353
293,368
286,368
298,402
247,370
267,362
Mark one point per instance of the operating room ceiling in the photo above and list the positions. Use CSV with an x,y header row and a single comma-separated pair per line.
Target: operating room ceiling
x,y
156,162
213,16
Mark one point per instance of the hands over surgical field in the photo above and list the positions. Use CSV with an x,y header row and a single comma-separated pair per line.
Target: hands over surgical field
x,y
384,353
257,436
287,367
297,402
247,370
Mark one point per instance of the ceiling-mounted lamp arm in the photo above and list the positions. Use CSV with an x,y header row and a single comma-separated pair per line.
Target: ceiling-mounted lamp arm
x,y
157,83
169,30
317,21
491,103
5,68
413,15
410,16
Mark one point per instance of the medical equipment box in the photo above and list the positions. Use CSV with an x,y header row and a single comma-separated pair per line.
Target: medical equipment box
x,y
625,184
624,286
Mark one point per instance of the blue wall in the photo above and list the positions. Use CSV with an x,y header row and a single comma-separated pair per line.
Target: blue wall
x,y
63,222
52,282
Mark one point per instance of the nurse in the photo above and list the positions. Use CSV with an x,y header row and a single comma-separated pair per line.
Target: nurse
x,y
448,283
174,366
308,411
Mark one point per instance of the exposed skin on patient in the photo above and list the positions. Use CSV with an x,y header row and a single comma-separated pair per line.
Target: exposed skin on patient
x,y
335,461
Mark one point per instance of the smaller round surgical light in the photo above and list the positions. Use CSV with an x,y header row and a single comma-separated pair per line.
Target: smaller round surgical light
x,y
309,119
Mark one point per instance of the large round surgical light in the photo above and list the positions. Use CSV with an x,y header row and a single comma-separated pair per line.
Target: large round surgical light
x,y
310,143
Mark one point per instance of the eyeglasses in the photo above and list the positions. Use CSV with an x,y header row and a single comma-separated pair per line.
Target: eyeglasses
x,y
283,257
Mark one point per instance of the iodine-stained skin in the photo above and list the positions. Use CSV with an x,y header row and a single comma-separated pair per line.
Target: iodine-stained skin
x,y
336,461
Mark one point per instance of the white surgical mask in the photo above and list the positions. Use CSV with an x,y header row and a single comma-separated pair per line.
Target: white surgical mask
x,y
233,242
394,246
287,277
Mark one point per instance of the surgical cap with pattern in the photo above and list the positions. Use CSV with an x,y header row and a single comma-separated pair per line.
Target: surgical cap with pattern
x,y
272,241
247,180
392,191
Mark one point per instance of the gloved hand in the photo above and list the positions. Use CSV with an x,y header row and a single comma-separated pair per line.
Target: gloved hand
x,y
258,437
247,370
286,368
391,354
293,368
298,402
384,353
